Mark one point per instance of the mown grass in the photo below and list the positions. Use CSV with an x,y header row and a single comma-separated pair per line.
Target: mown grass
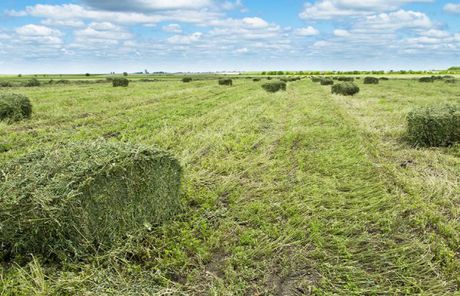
x,y
298,192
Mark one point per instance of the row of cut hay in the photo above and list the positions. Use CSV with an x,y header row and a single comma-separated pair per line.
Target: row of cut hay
x,y
14,107
79,199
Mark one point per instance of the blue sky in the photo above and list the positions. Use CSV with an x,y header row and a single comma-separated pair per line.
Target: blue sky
x,y
79,36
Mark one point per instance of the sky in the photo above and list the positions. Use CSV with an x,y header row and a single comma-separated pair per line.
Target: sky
x,y
99,36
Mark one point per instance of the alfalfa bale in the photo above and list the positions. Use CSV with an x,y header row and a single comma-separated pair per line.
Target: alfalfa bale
x,y
274,86
371,80
120,82
226,81
346,79
434,126
187,79
14,107
79,199
345,88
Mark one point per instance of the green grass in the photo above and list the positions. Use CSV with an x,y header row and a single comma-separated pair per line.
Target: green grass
x,y
297,192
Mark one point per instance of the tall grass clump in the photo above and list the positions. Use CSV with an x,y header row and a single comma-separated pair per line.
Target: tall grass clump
x,y
426,79
14,107
345,88
274,86
436,126
120,82
371,80
327,81
187,79
34,82
77,199
226,81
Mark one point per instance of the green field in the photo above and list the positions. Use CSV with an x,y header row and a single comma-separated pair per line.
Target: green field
x,y
292,193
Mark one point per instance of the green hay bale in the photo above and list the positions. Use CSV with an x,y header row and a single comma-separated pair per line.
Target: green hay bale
x,y
327,81
187,79
371,80
226,81
346,79
450,80
384,78
120,82
426,79
434,126
256,79
14,107
345,88
34,82
6,84
274,86
316,79
81,199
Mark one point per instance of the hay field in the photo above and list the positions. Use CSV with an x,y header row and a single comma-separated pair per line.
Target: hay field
x,y
291,193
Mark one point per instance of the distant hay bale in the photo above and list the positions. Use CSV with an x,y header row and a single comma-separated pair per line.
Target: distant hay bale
x,y
120,82
327,81
426,79
34,82
256,79
14,107
226,81
450,80
83,198
384,78
274,86
371,80
346,79
187,79
316,79
434,126
345,88
6,84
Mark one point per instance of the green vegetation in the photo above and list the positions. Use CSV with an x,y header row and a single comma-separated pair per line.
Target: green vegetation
x,y
434,126
327,81
14,107
226,81
426,79
34,82
371,80
345,88
72,200
302,192
274,86
187,79
346,79
117,82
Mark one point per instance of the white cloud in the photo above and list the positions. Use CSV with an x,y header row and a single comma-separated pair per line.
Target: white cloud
x,y
37,30
341,33
308,31
173,28
328,9
72,23
452,7
397,20
435,33
142,5
104,32
255,22
185,39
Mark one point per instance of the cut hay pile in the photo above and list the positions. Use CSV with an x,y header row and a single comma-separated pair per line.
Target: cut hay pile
x,y
77,199
226,81
120,82
371,80
345,89
274,86
14,107
187,79
346,79
327,81
434,126
426,79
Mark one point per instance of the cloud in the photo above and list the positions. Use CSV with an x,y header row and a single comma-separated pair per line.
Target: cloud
x,y
329,9
308,31
185,39
452,7
39,34
173,28
396,20
254,22
341,33
71,23
143,5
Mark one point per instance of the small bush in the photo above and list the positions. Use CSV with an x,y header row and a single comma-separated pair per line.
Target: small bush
x,y
34,82
371,80
225,81
83,198
434,126
125,73
87,74
345,88
120,82
426,79
274,86
14,107
346,79
327,81
187,79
